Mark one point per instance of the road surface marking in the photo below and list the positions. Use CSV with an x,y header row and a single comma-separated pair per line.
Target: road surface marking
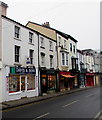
x,y
89,95
97,115
42,116
70,103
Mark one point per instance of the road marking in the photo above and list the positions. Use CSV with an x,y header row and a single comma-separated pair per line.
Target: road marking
x,y
97,115
70,103
42,116
89,95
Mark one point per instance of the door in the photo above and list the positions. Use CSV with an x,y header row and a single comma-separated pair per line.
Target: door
x,y
23,85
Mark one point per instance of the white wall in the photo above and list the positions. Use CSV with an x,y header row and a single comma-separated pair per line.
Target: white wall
x,y
47,52
8,55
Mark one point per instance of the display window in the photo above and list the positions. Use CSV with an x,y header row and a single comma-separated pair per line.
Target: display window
x,y
51,82
30,82
21,83
14,83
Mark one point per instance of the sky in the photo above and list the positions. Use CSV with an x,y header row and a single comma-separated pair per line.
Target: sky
x,y
78,18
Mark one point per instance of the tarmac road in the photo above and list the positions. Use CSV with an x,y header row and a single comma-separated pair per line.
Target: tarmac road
x,y
82,104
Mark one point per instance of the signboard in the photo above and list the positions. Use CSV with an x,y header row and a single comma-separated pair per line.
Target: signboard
x,y
22,70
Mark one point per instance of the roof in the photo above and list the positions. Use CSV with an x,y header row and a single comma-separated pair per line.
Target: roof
x,y
25,26
57,31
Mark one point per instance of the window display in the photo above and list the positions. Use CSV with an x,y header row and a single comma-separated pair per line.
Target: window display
x,y
30,82
51,81
14,83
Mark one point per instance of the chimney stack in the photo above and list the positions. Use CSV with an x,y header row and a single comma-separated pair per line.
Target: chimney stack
x,y
3,8
46,24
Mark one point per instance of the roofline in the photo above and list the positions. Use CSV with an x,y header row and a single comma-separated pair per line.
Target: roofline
x,y
27,27
62,33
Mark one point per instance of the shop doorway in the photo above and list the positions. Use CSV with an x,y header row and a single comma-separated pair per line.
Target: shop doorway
x,y
23,85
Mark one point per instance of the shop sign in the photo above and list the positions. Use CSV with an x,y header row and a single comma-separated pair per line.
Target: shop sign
x,y
50,72
22,70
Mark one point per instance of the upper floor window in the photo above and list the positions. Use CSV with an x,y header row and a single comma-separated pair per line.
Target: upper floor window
x,y
51,61
63,59
42,42
50,45
17,32
31,56
74,48
42,59
64,43
59,40
66,58
30,37
17,53
70,46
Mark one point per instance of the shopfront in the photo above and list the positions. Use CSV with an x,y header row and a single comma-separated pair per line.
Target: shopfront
x,y
21,82
90,79
48,80
67,81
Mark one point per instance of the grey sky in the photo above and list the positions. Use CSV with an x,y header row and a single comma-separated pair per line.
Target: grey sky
x,y
81,19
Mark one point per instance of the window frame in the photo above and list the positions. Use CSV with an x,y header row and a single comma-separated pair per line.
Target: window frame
x,y
17,54
31,37
31,56
17,32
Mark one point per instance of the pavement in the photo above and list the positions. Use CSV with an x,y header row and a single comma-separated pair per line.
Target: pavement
x,y
24,101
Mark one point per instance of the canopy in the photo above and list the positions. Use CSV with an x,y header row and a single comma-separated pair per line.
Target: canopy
x,y
68,76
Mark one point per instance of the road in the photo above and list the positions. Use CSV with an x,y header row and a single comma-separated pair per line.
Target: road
x,y
82,104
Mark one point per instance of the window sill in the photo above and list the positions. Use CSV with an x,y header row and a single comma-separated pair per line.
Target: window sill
x,y
42,47
30,90
17,63
15,93
31,43
17,39
51,50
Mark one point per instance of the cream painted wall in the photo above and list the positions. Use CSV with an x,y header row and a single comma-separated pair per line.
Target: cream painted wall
x,y
66,67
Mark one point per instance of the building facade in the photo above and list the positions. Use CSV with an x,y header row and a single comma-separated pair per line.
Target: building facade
x,y
19,65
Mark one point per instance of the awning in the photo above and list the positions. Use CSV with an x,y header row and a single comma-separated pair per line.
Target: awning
x,y
68,76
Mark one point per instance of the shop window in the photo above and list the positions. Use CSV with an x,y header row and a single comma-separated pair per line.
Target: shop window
x,y
51,82
30,82
14,83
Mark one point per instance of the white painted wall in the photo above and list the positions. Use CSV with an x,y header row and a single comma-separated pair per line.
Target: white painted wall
x,y
47,52
8,55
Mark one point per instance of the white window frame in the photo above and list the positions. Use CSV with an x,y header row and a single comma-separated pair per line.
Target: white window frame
x,y
31,57
17,54
65,43
17,32
42,42
51,45
31,37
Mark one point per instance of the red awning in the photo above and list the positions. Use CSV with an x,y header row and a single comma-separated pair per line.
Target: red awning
x,y
68,76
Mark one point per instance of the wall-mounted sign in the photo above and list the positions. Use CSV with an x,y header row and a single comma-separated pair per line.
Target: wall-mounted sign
x,y
22,70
